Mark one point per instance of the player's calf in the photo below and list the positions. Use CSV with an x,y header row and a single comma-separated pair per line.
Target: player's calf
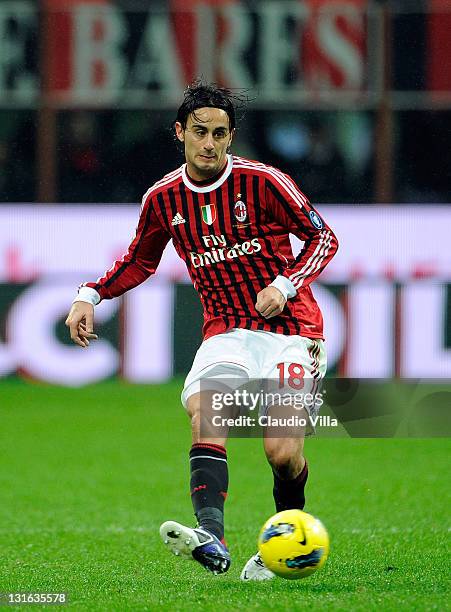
x,y
290,471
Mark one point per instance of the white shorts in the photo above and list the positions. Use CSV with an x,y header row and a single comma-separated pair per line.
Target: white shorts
x,y
242,354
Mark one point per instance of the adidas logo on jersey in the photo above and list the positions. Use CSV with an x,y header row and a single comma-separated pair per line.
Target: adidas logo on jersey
x,y
178,219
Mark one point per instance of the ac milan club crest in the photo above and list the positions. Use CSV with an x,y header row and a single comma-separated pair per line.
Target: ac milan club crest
x,y
240,209
209,213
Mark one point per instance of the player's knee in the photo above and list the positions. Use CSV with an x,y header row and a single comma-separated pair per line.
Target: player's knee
x,y
195,425
193,411
193,406
203,426
200,424
285,461
278,457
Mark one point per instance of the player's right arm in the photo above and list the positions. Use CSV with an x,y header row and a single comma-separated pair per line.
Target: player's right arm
x,y
140,261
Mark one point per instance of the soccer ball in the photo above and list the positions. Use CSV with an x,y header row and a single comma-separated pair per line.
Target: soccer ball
x,y
293,544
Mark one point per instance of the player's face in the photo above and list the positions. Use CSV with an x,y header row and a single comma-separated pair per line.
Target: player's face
x,y
206,138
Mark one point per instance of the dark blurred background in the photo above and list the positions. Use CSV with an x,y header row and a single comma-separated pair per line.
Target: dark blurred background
x,y
351,97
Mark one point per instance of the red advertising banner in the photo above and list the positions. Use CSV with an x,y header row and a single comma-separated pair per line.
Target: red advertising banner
x,y
95,53
439,44
297,53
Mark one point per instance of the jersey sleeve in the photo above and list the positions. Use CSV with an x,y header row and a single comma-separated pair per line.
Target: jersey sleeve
x,y
140,261
291,208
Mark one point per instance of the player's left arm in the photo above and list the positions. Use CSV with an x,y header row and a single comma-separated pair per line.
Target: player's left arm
x,y
291,208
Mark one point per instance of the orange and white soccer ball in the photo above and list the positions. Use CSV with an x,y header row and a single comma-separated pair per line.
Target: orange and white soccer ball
x,y
293,544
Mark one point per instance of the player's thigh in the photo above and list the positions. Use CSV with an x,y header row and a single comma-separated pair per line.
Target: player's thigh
x,y
220,367
294,373
207,426
220,358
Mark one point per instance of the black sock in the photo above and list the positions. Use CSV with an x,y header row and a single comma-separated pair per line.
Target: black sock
x,y
290,493
209,484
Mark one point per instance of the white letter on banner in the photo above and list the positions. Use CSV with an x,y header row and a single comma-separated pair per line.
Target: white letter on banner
x,y
339,49
370,337
279,51
147,339
101,53
423,354
30,330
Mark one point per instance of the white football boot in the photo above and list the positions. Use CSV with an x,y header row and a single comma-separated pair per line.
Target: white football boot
x,y
198,543
255,569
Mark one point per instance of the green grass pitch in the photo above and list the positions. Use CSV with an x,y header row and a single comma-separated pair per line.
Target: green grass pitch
x,y
87,476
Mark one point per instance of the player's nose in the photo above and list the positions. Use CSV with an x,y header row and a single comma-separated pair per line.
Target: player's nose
x,y
209,144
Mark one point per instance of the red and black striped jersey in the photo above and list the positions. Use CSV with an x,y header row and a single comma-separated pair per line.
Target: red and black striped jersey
x,y
233,235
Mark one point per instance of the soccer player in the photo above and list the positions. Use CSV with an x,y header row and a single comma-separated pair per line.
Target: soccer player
x,y
229,219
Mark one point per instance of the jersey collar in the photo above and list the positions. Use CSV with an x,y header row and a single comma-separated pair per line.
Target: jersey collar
x,y
213,186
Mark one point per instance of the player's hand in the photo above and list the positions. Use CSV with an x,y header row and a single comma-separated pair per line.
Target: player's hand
x,y
80,322
270,302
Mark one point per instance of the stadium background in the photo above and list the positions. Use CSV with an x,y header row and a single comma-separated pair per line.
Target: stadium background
x,y
353,99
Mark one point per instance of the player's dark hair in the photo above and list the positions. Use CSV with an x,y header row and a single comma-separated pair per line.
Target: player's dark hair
x,y
200,94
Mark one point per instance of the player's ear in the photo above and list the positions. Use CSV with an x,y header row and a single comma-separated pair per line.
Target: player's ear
x,y
232,134
179,131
